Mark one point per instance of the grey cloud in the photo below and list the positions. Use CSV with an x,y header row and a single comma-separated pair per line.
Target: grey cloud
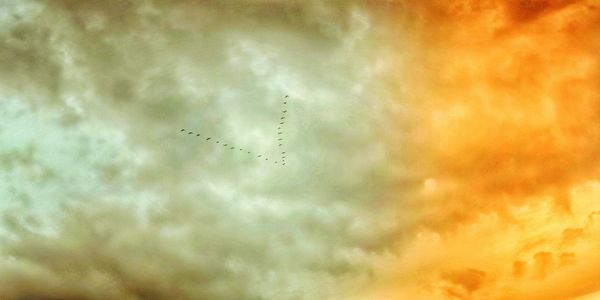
x,y
136,210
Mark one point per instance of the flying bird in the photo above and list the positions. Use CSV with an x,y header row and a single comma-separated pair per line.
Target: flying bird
x,y
279,132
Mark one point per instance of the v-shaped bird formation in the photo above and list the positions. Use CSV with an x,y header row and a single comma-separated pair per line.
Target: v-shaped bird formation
x,y
280,140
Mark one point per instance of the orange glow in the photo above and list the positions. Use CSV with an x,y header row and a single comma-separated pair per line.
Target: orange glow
x,y
507,199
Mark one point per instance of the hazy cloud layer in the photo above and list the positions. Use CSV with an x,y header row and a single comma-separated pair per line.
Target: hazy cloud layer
x,y
102,196
434,149
507,139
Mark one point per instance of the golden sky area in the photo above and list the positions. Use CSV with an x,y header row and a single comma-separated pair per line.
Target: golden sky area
x,y
508,139
435,150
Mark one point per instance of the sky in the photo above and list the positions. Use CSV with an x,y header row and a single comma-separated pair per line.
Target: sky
x,y
280,149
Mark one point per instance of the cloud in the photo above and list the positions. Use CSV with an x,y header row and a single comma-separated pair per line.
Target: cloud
x,y
436,150
99,91
503,149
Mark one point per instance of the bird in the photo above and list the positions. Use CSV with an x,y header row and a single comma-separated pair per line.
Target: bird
x,y
279,132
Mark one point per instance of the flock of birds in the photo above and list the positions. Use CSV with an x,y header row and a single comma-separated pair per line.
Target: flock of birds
x,y
283,155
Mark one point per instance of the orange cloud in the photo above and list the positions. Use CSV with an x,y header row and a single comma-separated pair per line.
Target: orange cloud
x,y
506,149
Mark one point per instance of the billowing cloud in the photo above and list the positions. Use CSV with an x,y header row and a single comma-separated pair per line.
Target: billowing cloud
x,y
106,199
507,133
434,149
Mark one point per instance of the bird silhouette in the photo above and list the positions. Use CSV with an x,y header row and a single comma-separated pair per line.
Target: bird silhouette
x,y
279,132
